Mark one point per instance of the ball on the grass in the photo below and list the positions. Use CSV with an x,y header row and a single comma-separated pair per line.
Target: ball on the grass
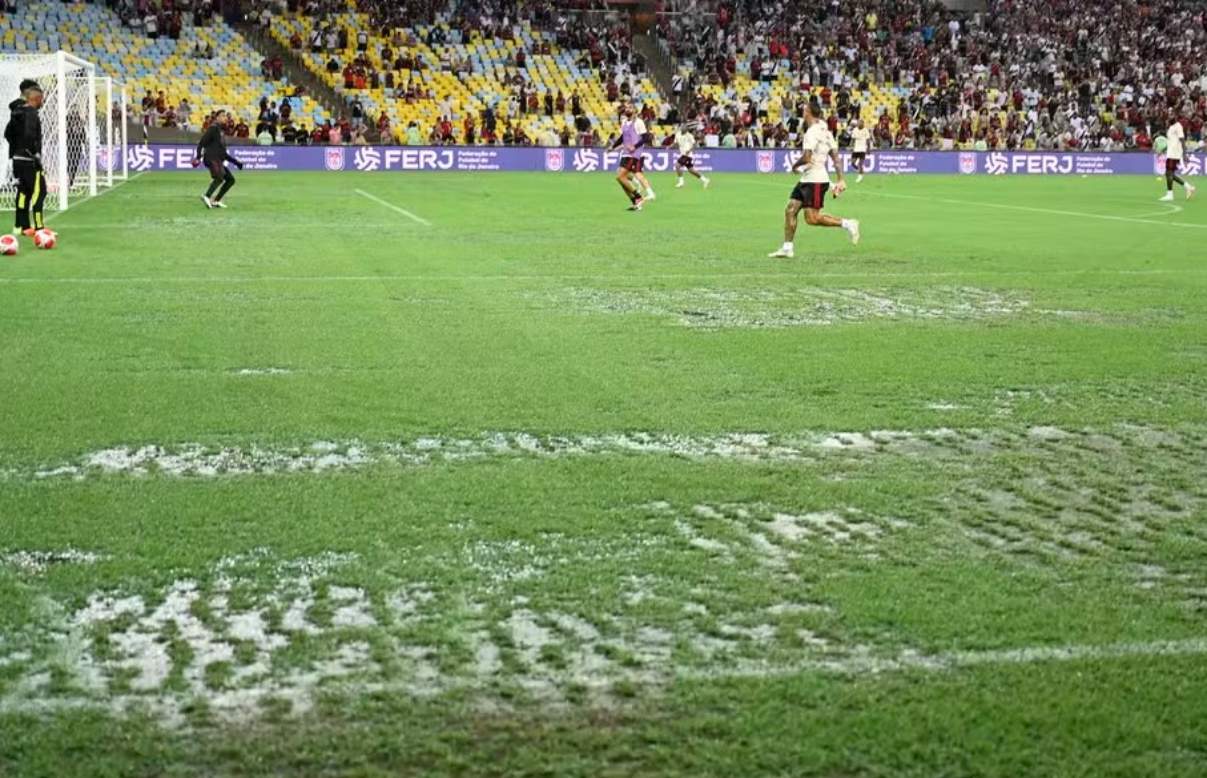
x,y
9,245
45,239
1160,144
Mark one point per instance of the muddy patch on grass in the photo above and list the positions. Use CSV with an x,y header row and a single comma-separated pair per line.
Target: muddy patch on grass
x,y
35,562
256,632
200,461
703,308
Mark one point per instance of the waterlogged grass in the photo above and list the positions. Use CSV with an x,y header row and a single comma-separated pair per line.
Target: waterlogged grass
x,y
548,488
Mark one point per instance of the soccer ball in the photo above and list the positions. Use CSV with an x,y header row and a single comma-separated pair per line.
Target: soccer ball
x,y
45,239
9,245
1160,144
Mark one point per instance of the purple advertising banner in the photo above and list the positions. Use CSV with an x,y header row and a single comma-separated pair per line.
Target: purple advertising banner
x,y
366,159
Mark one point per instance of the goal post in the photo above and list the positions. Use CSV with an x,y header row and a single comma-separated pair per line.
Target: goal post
x,y
70,129
111,165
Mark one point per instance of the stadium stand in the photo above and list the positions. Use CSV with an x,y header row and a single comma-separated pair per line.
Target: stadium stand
x,y
194,57
1096,74
520,75
1027,74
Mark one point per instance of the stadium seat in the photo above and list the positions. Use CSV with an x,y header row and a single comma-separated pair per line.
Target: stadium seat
x,y
231,80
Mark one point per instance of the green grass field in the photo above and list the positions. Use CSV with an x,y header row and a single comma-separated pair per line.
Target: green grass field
x,y
528,485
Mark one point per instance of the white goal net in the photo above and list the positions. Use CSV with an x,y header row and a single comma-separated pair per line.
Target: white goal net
x,y
83,126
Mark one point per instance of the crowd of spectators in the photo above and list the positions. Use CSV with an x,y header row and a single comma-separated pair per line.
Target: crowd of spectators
x,y
1024,74
386,56
274,124
1073,74
162,18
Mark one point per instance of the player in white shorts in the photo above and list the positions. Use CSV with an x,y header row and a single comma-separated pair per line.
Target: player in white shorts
x,y
686,142
860,138
819,147
1175,137
648,140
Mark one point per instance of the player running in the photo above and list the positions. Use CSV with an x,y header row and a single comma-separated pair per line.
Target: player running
x,y
1175,136
647,139
860,137
818,147
631,140
686,141
211,150
23,133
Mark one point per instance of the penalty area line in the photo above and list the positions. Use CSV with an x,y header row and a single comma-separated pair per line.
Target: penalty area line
x,y
394,208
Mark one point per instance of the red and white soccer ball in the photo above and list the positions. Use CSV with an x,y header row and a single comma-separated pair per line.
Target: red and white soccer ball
x,y
45,239
9,245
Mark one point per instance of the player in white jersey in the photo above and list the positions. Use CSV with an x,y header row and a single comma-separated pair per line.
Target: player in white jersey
x,y
647,139
686,141
1175,138
860,138
818,149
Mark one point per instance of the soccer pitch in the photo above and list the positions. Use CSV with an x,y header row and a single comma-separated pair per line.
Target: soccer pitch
x,y
452,474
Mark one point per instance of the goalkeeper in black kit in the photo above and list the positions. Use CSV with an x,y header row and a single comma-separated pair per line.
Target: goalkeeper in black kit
x,y
211,150
24,136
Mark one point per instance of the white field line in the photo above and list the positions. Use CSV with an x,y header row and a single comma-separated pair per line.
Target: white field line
x,y
1175,209
863,665
1046,211
99,195
394,208
988,272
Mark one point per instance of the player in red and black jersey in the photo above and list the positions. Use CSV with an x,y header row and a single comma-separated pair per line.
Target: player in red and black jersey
x,y
211,150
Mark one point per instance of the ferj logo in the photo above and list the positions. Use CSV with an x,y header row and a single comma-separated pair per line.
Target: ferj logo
x,y
555,160
367,159
967,162
996,163
141,158
333,158
586,160
765,161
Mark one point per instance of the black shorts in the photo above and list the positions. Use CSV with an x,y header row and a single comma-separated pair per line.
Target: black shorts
x,y
858,156
810,195
1171,165
685,161
632,164
217,168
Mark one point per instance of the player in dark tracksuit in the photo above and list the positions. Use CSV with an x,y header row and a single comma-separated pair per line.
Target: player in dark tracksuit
x,y
24,136
211,150
76,137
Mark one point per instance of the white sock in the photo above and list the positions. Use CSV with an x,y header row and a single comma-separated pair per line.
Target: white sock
x,y
847,224
679,179
787,245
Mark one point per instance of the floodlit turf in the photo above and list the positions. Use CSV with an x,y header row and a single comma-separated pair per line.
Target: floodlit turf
x,y
542,487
